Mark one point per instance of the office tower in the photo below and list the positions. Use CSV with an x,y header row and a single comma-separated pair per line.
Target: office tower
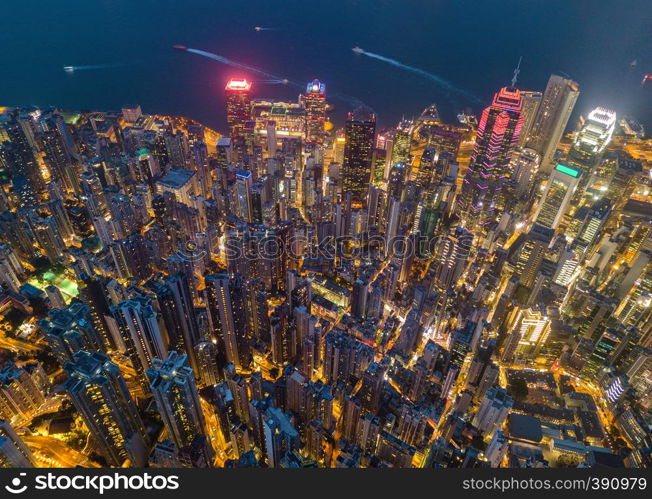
x,y
172,384
402,143
493,410
561,186
20,397
445,139
314,102
531,102
592,140
451,256
243,183
99,392
17,444
225,306
238,105
533,330
554,112
531,254
525,165
359,131
138,324
596,217
481,197
279,434
69,330
601,355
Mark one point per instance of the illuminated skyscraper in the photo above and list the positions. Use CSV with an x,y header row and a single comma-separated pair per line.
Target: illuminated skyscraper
x,y
226,316
238,105
553,114
139,329
314,101
243,183
498,133
99,392
360,133
592,140
173,386
531,102
556,198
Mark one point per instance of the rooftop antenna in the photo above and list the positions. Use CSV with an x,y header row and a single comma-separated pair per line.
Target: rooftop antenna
x,y
517,71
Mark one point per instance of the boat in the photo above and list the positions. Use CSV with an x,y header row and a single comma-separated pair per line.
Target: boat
x,y
258,28
358,50
179,47
69,69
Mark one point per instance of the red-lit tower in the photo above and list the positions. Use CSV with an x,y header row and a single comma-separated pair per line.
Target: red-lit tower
x,y
238,105
498,133
314,102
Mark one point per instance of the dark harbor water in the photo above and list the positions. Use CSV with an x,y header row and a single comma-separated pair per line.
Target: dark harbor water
x,y
123,53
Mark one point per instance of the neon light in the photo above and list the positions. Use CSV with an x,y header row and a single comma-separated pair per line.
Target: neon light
x,y
235,84
568,170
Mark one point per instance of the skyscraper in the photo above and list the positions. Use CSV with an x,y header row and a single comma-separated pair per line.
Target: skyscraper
x,y
139,328
173,386
498,133
531,102
225,306
238,105
314,102
493,410
360,131
553,114
591,141
13,451
99,392
561,185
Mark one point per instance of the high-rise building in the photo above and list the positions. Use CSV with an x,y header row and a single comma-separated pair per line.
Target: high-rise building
x,y
238,105
99,392
20,396
70,330
552,117
360,131
178,313
531,102
225,300
138,324
172,384
280,435
592,140
498,132
493,410
14,453
243,182
314,102
557,196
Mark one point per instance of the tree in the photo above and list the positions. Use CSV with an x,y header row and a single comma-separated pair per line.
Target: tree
x,y
518,389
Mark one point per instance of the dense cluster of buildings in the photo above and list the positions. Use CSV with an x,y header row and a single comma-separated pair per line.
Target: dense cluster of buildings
x,y
290,294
